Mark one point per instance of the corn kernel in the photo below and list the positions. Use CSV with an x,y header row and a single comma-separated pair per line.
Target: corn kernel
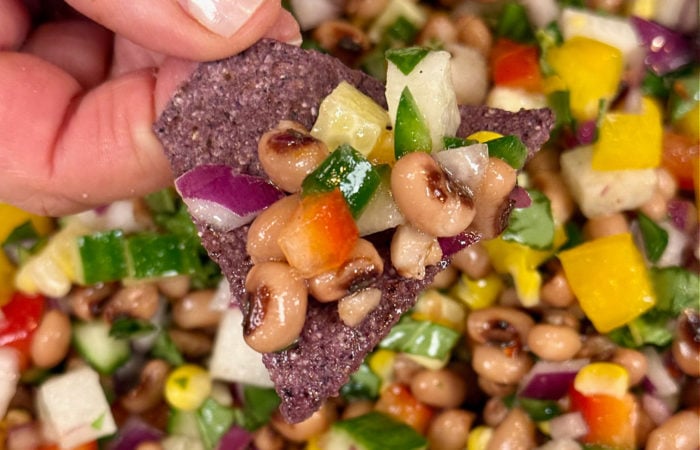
x,y
187,387
629,141
477,294
610,279
479,438
436,307
381,362
602,378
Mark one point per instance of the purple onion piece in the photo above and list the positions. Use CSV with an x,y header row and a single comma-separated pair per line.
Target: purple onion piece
x,y
679,213
520,197
550,380
134,432
666,50
235,439
225,200
586,132
453,244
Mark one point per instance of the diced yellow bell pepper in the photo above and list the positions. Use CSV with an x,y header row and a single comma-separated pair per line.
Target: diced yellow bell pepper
x,y
312,444
609,277
436,307
642,8
589,69
477,294
479,437
10,218
602,378
484,136
629,141
381,362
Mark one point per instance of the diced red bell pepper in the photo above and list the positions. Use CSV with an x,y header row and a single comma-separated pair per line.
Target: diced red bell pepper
x,y
398,401
679,153
21,316
609,418
516,65
321,234
92,445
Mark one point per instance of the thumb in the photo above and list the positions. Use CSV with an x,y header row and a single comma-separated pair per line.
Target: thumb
x,y
190,29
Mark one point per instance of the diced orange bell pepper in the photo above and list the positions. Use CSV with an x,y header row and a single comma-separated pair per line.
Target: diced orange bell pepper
x,y
610,279
321,235
398,401
678,153
516,65
92,445
609,419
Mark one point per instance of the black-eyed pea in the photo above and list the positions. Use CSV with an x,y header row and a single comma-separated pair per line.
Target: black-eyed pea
x,y
553,342
438,29
495,364
363,266
277,301
365,10
353,308
495,389
556,291
449,430
516,431
175,286
51,339
195,310
412,250
288,153
601,226
473,260
149,392
686,344
357,408
87,302
473,32
495,411
263,234
191,343
342,39
138,301
634,361
442,388
498,325
266,438
492,200
445,278
427,198
667,184
656,208
679,432
315,425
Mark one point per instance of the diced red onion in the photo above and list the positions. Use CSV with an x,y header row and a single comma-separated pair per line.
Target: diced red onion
x,y
311,13
666,50
658,380
235,439
586,132
550,380
27,435
464,165
453,244
225,200
657,409
568,426
520,197
134,432
679,212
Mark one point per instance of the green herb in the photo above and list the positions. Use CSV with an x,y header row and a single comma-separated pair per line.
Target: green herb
x,y
655,85
162,202
534,225
574,235
547,38
259,405
421,338
349,170
560,104
655,238
676,289
362,385
214,420
375,431
164,348
406,59
401,32
127,327
22,242
411,132
685,94
514,23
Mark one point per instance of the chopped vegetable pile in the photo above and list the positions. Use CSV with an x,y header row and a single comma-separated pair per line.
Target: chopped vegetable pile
x,y
567,311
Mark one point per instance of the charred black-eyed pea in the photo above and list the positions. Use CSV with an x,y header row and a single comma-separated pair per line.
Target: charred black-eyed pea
x,y
427,198
288,153
362,267
277,301
492,198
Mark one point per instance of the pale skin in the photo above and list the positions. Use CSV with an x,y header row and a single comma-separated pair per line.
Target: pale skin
x,y
78,96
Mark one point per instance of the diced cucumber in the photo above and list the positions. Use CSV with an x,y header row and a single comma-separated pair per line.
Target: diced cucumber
x,y
411,132
183,423
98,348
430,83
372,431
153,255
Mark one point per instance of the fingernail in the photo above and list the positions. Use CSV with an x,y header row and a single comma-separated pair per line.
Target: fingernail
x,y
223,17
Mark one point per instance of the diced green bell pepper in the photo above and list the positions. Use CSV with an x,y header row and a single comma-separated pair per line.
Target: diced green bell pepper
x,y
347,169
510,149
411,132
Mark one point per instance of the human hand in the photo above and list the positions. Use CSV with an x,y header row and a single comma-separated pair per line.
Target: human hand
x,y
78,95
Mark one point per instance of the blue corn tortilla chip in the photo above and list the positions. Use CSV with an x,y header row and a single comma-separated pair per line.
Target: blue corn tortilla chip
x,y
217,117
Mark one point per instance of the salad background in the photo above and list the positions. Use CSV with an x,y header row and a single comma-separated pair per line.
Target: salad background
x,y
613,218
